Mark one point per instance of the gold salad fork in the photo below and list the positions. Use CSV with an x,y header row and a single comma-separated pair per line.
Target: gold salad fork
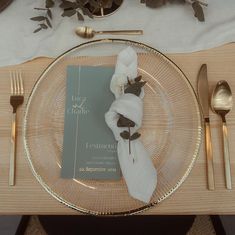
x,y
16,99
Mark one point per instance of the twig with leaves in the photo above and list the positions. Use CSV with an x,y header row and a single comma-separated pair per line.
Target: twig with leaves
x,y
82,8
44,20
196,5
135,89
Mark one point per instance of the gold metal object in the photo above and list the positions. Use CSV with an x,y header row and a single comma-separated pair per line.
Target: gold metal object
x,y
203,93
43,181
16,99
221,103
87,32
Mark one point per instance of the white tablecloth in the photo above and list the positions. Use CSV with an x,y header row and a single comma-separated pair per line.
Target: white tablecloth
x,y
171,28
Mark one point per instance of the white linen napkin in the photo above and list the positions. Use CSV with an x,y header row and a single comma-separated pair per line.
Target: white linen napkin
x,y
137,168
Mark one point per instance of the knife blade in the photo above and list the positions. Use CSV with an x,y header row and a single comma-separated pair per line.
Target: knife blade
x,y
204,99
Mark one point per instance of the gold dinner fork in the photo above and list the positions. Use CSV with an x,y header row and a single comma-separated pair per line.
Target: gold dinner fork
x,y
16,99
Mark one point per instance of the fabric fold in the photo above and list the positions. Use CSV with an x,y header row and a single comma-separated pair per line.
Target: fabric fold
x,y
136,165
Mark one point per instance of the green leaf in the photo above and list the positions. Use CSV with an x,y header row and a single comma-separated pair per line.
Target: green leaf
x,y
49,3
142,83
37,30
48,22
38,18
80,16
125,135
125,122
43,26
68,5
94,3
40,9
84,2
87,12
135,88
49,13
137,79
69,12
135,136
198,11
155,3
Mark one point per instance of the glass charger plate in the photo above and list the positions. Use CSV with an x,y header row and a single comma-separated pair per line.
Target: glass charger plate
x,y
171,129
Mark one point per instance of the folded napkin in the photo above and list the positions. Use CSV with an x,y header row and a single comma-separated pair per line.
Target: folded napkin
x,y
136,165
126,67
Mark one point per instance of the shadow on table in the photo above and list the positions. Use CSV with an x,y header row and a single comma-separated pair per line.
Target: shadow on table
x,y
70,225
134,225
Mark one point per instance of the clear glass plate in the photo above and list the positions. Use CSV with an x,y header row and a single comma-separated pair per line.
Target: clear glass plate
x,y
171,129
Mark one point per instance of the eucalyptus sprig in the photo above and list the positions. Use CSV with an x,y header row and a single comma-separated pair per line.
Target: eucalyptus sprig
x,y
135,89
82,8
44,21
196,5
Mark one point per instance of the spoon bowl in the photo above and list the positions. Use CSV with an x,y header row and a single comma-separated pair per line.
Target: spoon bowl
x,y
221,103
85,32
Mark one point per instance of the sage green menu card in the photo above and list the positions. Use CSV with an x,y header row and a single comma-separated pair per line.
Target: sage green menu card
x,y
89,147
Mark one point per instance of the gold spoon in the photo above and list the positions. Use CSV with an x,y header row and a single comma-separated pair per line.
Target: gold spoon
x,y
221,103
87,32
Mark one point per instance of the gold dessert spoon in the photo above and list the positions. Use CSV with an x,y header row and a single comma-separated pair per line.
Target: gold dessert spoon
x,y
87,32
221,103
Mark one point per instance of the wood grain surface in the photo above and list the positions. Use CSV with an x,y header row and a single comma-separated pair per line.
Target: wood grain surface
x,y
28,197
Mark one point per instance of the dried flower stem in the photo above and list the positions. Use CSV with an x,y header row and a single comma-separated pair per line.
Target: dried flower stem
x,y
129,129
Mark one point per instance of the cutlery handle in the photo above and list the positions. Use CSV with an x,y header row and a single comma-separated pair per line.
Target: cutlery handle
x,y
12,151
226,156
121,32
209,157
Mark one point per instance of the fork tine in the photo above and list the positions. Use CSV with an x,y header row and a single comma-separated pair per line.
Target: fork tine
x,y
21,84
14,83
12,90
17,83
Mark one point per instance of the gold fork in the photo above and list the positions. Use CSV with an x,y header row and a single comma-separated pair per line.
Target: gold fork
x,y
16,99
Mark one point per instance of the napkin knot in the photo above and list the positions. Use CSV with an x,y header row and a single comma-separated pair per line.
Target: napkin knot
x,y
136,165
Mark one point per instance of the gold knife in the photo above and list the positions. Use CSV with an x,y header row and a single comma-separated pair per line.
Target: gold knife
x,y
204,98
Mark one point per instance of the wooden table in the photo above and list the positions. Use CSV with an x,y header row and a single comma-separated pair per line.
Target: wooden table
x,y
28,197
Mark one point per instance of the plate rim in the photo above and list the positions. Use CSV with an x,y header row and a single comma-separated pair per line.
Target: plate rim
x,y
132,211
